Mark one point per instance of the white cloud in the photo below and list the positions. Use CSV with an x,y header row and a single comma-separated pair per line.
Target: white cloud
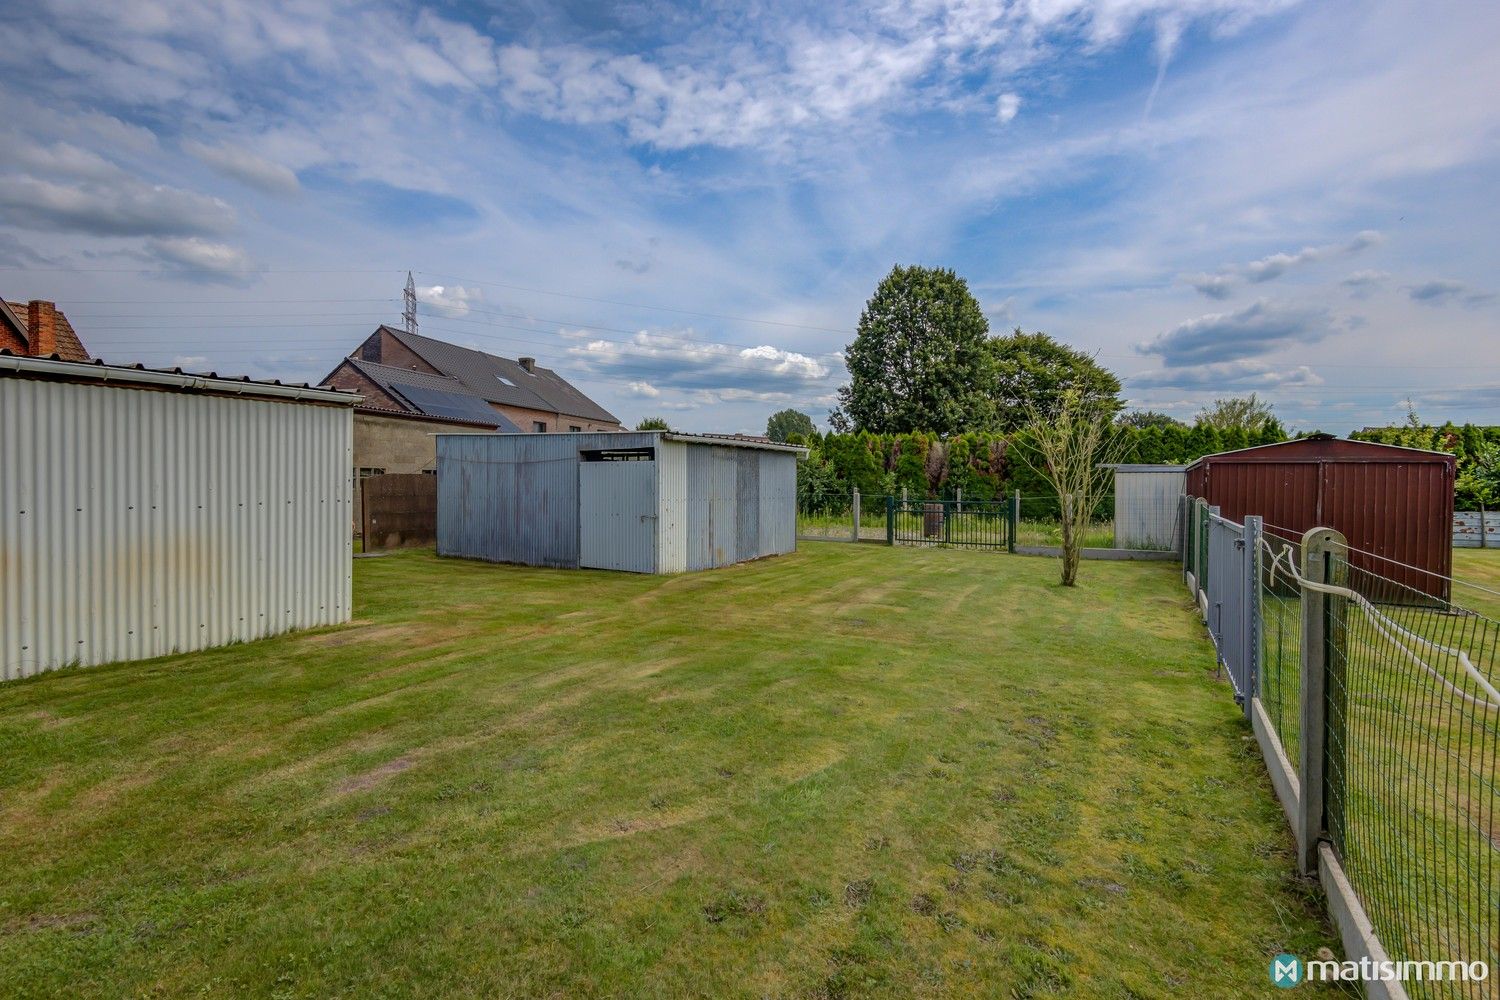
x,y
450,300
1230,376
1445,291
735,91
713,370
1006,107
201,259
1221,284
1362,284
122,206
246,167
1257,329
643,390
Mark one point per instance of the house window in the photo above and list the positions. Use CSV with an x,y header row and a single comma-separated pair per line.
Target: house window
x,y
429,472
574,428
507,381
539,426
366,473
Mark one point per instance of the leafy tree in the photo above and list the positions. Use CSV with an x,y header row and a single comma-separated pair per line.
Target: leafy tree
x,y
1148,419
785,423
920,360
653,424
1034,371
1249,413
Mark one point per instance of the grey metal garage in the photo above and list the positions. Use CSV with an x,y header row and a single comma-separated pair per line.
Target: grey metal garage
x,y
642,502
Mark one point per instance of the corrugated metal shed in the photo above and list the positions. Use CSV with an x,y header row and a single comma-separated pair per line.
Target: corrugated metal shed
x,y
146,512
1148,507
528,499
1394,505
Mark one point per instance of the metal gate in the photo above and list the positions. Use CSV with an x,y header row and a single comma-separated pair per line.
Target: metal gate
x,y
617,515
1231,597
981,524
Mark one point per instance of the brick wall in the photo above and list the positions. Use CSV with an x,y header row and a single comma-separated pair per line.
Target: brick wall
x,y
396,444
347,377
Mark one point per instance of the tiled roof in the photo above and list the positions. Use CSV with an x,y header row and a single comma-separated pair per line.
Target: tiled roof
x,y
539,389
69,347
393,379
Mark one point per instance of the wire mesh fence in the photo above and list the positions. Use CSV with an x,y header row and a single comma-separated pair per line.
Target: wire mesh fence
x,y
1412,748
841,515
1397,770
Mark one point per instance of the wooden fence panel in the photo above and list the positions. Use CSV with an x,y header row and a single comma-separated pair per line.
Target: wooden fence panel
x,y
400,510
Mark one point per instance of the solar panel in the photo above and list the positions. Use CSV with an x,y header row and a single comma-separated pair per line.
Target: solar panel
x,y
437,403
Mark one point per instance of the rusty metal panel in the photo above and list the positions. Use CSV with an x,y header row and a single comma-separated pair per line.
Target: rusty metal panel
x,y
137,522
398,510
1393,505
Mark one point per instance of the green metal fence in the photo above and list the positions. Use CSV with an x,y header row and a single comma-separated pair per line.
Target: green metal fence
x,y
984,524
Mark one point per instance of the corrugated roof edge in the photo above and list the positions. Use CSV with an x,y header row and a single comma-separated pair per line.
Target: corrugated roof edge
x,y
1129,467
1321,437
724,442
170,378
732,442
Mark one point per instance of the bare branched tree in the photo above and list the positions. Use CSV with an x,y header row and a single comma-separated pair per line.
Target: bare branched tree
x,y
1068,445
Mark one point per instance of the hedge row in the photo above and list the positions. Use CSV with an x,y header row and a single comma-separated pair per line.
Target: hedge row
x,y
983,466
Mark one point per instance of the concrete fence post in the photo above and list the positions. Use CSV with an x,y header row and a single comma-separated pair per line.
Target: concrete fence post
x,y
1320,548
854,531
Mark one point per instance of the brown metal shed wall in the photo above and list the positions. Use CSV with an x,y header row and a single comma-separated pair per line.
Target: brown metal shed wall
x,y
1400,510
1391,502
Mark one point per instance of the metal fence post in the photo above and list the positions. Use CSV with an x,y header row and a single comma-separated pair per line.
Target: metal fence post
x,y
890,519
1013,527
854,533
1251,622
1188,548
1319,546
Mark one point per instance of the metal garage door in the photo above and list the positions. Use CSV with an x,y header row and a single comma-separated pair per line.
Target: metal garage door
x,y
617,514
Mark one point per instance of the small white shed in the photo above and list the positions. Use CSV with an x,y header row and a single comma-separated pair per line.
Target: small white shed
x,y
1148,506
150,512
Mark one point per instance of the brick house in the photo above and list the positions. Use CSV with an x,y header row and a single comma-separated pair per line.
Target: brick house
x,y
405,372
38,329
415,387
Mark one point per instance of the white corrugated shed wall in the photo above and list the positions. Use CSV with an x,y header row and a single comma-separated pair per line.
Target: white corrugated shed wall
x,y
136,522
672,501
1147,506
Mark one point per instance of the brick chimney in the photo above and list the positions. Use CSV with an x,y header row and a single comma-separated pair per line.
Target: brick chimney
x,y
41,328
529,364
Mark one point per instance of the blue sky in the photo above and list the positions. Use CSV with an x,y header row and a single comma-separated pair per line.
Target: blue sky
x,y
683,207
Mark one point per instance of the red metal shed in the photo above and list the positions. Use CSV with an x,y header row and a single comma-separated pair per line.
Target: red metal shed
x,y
1390,501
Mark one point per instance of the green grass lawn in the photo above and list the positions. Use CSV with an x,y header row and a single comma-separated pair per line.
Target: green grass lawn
x,y
854,771
1480,567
